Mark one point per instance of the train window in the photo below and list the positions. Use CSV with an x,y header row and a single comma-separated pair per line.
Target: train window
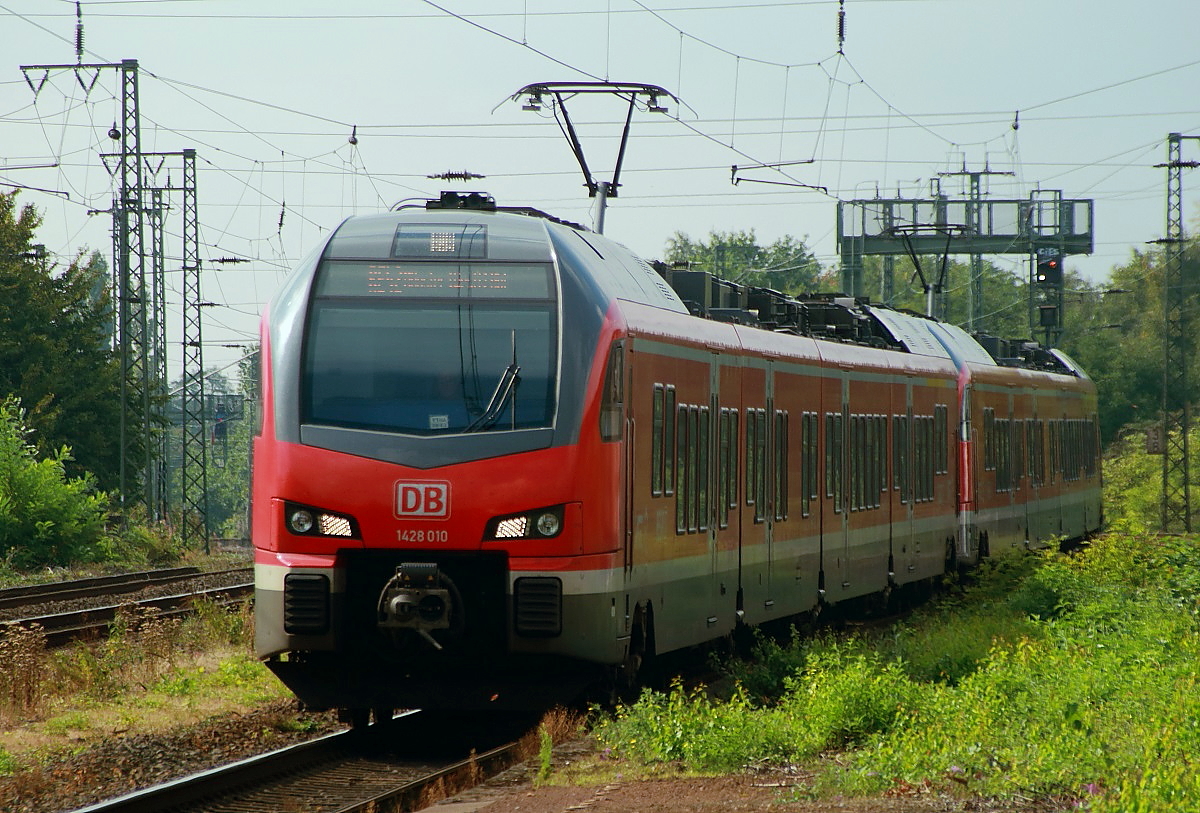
x,y
751,457
896,452
1018,453
731,502
881,445
1031,451
941,437
612,400
721,500
1003,431
1053,441
918,459
781,465
854,465
657,432
681,458
669,442
695,443
421,367
1040,433
835,452
440,240
829,455
1091,443
989,439
930,459
703,441
808,457
759,417
901,462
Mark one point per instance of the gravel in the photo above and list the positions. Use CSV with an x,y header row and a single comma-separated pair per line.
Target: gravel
x,y
119,765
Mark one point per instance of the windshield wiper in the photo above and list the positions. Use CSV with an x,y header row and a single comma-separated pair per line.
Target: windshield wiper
x,y
506,388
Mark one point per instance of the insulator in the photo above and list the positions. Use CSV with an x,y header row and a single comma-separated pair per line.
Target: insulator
x,y
841,27
354,135
78,31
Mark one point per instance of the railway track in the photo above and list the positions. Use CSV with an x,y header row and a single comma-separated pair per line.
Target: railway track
x,y
403,765
85,609
97,586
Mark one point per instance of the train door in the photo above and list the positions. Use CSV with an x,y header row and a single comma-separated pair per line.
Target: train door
x,y
903,474
723,528
628,457
835,530
767,484
755,542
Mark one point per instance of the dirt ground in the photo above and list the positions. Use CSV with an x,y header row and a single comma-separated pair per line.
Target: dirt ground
x,y
770,791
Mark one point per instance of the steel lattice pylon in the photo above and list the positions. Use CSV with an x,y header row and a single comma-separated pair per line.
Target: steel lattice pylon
x,y
132,323
1177,345
194,471
138,481
156,214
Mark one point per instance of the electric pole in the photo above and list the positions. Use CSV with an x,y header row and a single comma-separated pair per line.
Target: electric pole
x,y
138,483
1177,347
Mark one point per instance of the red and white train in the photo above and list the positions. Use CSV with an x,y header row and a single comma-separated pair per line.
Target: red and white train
x,y
496,448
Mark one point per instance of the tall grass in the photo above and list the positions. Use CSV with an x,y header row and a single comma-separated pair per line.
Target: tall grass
x,y
1057,676
142,649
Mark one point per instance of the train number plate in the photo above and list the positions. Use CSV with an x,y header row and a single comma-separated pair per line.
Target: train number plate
x,y
424,499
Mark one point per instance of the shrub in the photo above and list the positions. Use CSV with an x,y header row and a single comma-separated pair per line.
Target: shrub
x,y
842,698
688,727
46,518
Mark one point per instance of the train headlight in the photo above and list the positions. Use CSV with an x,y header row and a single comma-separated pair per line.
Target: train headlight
x,y
542,523
301,521
549,524
305,521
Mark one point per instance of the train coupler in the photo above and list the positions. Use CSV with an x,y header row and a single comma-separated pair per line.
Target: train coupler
x,y
418,598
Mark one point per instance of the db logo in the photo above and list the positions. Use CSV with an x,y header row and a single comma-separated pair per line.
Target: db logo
x,y
429,499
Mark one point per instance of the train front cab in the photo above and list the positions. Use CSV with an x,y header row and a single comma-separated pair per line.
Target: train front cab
x,y
366,521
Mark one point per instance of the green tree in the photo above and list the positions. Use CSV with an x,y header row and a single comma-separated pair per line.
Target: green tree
x,y
55,352
229,468
1005,307
1115,331
786,265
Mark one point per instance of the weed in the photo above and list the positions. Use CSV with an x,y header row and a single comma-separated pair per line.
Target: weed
x,y
290,723
71,721
181,683
8,763
22,669
545,754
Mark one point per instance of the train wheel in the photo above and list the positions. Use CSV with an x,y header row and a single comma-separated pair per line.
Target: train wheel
x,y
630,675
357,719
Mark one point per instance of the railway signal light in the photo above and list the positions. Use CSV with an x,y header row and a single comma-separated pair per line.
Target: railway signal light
x,y
1049,270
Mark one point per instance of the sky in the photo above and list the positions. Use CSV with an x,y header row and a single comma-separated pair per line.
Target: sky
x,y
307,111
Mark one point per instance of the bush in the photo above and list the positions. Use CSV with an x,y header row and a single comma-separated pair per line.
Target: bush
x,y
46,518
689,728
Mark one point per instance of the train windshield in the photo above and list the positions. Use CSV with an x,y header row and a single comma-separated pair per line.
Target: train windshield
x,y
431,348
